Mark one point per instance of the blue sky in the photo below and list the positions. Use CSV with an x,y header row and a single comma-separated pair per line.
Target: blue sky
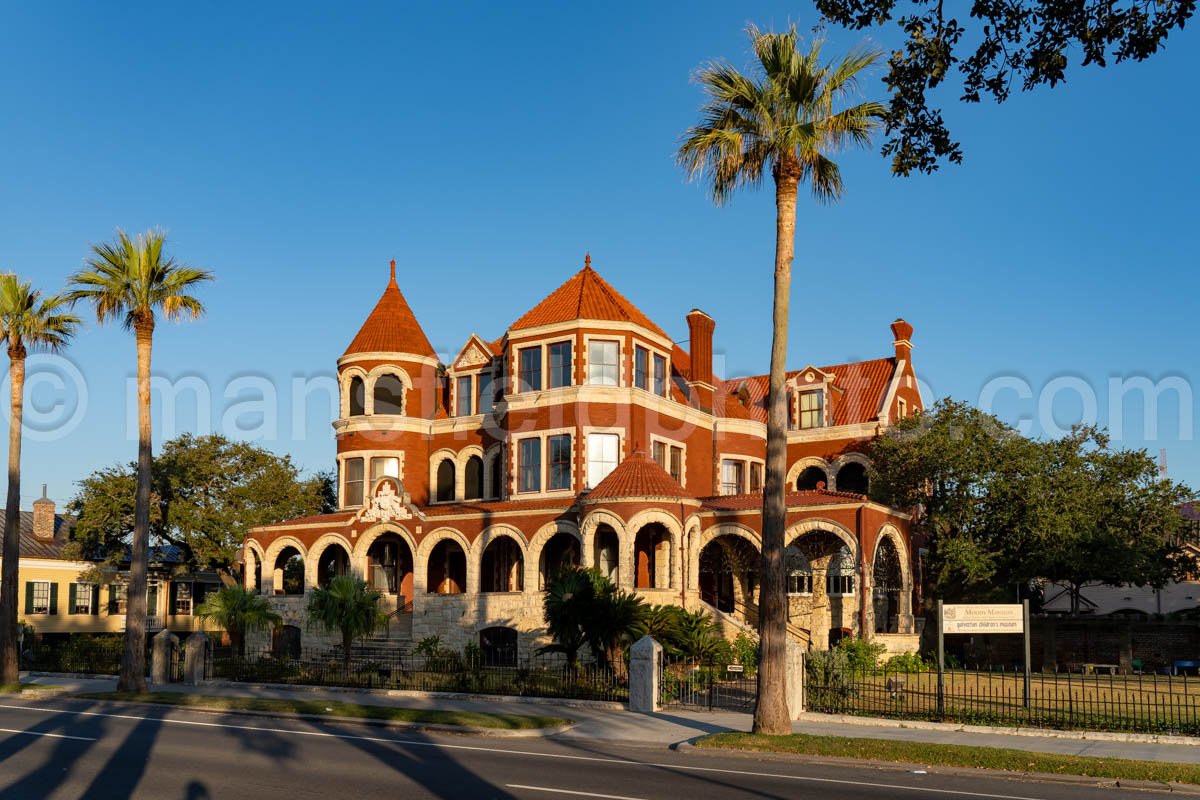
x,y
295,148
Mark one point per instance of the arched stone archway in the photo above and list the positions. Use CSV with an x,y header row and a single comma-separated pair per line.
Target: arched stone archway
x,y
602,533
650,555
273,566
555,545
803,467
890,584
252,567
830,606
501,558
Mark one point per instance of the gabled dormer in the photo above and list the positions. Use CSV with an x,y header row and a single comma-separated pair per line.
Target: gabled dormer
x,y
811,393
472,378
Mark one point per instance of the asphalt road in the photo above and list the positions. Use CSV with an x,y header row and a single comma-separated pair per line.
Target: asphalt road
x,y
84,749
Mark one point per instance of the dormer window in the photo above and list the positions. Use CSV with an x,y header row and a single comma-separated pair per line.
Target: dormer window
x,y
463,396
603,363
812,409
486,401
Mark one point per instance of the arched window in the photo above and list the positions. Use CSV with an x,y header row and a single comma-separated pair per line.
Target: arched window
x,y
607,546
289,572
888,581
389,395
502,567
498,475
810,477
560,553
358,397
499,646
447,568
839,579
445,481
652,557
852,478
473,479
799,571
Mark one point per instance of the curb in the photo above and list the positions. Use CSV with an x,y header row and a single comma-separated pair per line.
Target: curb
x,y
431,727
487,698
954,727
688,748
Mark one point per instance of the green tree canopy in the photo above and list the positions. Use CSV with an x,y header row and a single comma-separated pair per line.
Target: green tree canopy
x,y
1001,509
995,45
207,493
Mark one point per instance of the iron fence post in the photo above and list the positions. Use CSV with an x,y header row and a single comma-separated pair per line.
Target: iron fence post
x,y
941,658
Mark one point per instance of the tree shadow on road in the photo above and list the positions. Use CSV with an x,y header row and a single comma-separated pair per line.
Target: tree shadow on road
x,y
66,754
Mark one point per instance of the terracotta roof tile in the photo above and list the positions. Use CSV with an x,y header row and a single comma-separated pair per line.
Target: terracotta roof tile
x,y
391,327
638,476
493,506
585,296
752,501
859,389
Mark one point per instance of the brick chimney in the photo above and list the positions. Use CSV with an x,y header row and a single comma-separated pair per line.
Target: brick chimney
x,y
700,333
902,333
43,517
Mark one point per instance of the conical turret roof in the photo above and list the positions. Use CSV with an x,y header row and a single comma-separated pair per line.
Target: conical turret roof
x,y
391,327
585,296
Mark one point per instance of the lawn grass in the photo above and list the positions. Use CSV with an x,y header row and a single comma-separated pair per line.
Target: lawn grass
x,y
333,708
16,688
956,755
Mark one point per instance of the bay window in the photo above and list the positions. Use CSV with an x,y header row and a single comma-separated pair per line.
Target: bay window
x,y
603,363
560,365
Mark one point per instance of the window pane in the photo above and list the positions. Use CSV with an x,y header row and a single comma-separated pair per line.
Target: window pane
x,y
660,375
530,369
389,395
559,448
756,475
462,396
83,598
384,467
602,363
732,477
659,454
487,397
812,405
530,469
358,397
603,451
183,599
676,469
560,364
641,374
41,597
353,489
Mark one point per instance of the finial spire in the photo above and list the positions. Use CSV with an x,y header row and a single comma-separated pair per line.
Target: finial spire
x,y
393,269
587,260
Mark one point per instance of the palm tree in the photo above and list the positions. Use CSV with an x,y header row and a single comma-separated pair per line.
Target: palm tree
x,y
132,280
239,611
28,320
567,609
348,607
780,119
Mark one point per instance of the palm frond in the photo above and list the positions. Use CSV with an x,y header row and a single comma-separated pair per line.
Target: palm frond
x,y
32,321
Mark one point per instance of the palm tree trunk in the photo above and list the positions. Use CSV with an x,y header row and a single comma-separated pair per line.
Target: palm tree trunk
x,y
771,711
10,659
133,664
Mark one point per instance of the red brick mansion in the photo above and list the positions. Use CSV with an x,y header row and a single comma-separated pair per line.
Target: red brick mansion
x,y
585,435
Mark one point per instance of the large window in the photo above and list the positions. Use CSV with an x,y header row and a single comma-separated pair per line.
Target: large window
x,y
756,477
384,467
352,489
733,477
183,600
530,369
39,597
487,395
529,468
676,468
603,453
812,409
641,368
559,459
660,375
118,598
658,451
463,397
602,363
560,365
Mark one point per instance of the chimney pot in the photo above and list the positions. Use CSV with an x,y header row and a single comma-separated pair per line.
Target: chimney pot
x,y
902,335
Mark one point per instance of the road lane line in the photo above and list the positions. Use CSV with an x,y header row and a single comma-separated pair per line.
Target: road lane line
x,y
569,791
51,735
532,753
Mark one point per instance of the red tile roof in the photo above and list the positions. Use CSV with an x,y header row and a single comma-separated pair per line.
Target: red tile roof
x,y
585,296
754,500
638,476
492,506
859,390
391,327
338,518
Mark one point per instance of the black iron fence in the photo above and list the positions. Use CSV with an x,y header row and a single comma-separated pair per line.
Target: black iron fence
x,y
1146,703
446,672
91,655
697,684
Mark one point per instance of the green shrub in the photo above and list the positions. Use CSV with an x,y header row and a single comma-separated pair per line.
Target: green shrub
x,y
745,652
908,662
861,655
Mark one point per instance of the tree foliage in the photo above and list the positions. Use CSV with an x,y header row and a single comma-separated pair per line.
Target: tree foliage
x,y
207,493
995,45
239,611
1001,509
347,606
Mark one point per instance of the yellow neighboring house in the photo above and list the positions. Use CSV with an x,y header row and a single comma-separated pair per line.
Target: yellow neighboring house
x,y
56,599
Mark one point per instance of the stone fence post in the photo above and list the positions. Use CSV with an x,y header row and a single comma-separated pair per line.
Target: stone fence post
x,y
795,678
195,658
162,651
645,668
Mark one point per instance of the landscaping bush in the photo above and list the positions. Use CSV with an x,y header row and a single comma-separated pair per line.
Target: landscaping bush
x,y
861,655
908,662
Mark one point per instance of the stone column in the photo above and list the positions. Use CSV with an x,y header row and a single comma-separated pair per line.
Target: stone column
x,y
195,659
645,663
162,651
795,678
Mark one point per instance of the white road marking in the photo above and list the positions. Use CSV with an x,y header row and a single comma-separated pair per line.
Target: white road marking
x,y
532,753
569,791
51,735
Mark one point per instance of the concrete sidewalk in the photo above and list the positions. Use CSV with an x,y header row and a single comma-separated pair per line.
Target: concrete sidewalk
x,y
601,722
